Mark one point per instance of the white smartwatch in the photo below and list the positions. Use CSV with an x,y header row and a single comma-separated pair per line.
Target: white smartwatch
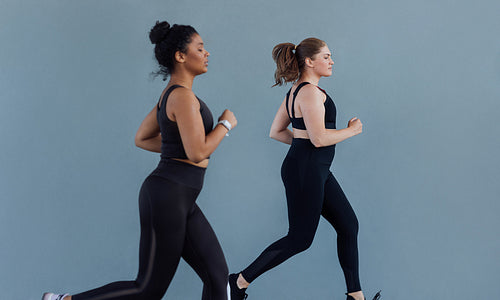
x,y
226,124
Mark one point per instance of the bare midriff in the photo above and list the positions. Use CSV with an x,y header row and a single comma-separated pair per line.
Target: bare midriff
x,y
300,133
201,164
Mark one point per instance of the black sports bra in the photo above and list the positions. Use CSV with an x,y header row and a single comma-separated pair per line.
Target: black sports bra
x,y
330,110
171,143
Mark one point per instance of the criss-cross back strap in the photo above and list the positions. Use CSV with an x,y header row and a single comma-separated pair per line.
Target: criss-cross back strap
x,y
293,99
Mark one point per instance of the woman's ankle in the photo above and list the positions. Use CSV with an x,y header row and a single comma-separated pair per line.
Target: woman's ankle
x,y
357,295
241,282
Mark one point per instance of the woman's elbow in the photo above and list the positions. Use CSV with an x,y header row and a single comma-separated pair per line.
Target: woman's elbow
x,y
141,142
138,142
272,135
196,157
275,134
139,138
196,160
317,141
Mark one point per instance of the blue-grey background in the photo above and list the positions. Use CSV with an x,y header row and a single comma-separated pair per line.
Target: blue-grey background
x,y
423,76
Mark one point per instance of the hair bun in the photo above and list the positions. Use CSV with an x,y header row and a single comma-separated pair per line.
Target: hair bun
x,y
159,32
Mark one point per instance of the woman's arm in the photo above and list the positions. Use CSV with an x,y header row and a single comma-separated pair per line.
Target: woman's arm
x,y
185,110
148,135
279,129
313,111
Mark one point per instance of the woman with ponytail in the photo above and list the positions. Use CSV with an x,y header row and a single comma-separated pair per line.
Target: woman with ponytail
x,y
311,189
172,225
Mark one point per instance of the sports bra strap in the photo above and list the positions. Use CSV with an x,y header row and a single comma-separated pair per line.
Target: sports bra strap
x,y
287,109
293,99
165,96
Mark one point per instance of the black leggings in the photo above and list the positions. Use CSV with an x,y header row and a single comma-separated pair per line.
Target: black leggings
x,y
172,226
311,191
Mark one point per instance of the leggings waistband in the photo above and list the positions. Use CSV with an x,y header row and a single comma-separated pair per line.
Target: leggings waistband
x,y
304,149
180,172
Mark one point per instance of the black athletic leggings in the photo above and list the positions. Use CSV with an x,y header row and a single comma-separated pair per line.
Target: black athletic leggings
x,y
172,226
311,191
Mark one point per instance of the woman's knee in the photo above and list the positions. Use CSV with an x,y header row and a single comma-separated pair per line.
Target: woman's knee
x,y
350,228
354,226
301,242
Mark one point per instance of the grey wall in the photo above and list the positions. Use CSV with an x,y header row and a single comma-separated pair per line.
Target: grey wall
x,y
423,76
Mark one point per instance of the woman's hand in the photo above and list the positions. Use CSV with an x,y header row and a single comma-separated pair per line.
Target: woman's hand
x,y
355,125
229,116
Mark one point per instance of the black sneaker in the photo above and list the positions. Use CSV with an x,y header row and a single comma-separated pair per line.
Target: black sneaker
x,y
236,292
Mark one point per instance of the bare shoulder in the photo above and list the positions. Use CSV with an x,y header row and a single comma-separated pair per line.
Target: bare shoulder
x,y
182,98
311,94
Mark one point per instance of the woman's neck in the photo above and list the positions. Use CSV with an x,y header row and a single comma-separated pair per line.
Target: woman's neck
x,y
182,79
313,79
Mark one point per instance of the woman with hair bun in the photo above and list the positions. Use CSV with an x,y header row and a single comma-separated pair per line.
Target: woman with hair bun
x,y
181,128
311,189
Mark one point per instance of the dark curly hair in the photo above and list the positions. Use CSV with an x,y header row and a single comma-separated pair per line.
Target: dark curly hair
x,y
168,40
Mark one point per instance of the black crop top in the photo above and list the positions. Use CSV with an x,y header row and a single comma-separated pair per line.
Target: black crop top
x,y
171,143
330,110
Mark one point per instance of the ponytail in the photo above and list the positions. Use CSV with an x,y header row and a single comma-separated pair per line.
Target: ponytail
x,y
287,66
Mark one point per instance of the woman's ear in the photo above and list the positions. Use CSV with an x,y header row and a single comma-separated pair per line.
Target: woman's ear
x,y
309,62
180,57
